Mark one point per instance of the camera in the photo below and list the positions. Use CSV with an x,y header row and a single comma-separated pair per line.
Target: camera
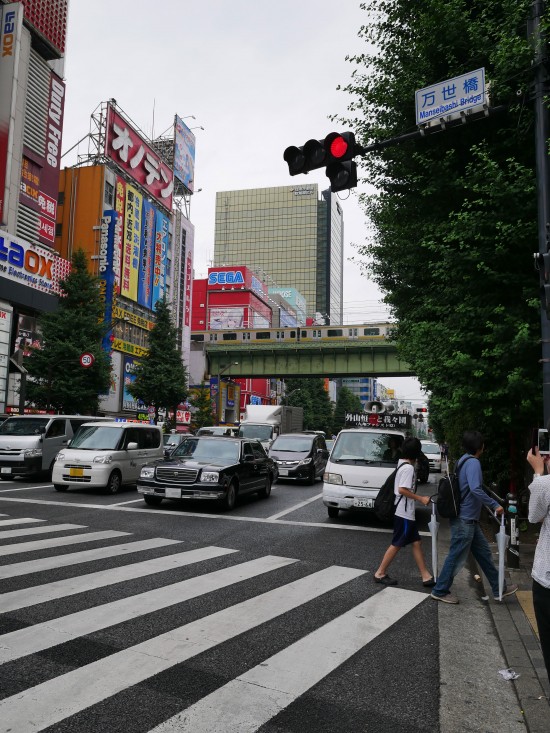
x,y
543,442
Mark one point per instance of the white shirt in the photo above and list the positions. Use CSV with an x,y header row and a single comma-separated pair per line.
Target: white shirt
x,y
404,479
539,511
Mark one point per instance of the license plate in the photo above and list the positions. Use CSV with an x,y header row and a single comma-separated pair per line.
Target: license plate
x,y
6,470
363,503
76,472
283,472
172,493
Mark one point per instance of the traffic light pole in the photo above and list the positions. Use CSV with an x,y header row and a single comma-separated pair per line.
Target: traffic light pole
x,y
542,128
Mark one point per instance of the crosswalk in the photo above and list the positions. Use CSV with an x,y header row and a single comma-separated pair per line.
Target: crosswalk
x,y
72,608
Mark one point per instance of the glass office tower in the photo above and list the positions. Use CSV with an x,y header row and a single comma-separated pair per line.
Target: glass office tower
x,y
290,236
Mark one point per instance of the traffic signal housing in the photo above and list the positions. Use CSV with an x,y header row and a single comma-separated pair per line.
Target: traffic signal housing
x,y
335,152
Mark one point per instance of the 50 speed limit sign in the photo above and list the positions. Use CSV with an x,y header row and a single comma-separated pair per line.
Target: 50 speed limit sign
x,y
86,359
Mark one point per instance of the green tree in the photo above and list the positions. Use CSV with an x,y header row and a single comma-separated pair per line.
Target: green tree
x,y
454,215
55,377
160,376
346,401
313,397
201,400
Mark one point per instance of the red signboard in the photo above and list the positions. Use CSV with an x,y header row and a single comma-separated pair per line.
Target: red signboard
x,y
125,147
50,18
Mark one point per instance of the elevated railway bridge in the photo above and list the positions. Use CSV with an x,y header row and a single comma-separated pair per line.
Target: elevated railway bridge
x,y
364,350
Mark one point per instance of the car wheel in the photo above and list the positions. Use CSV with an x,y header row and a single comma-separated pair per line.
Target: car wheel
x,y
7,478
60,487
266,491
312,477
333,511
114,483
152,500
228,502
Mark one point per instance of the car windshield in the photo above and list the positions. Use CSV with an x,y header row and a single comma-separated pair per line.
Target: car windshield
x,y
15,426
367,447
171,439
292,444
257,432
430,448
93,437
212,451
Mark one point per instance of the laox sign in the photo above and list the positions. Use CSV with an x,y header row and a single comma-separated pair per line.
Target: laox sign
x,y
30,260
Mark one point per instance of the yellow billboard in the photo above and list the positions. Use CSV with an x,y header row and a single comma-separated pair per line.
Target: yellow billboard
x,y
132,243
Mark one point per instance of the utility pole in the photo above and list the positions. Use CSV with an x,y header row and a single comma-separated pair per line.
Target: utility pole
x,y
542,128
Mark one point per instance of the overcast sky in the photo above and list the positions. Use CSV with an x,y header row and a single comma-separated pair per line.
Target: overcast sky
x,y
256,75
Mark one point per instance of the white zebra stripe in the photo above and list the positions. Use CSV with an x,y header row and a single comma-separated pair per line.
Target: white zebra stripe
x,y
6,534
24,520
82,583
255,697
72,539
55,700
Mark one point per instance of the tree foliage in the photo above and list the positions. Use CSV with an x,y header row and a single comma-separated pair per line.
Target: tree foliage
x,y
201,400
346,401
454,214
313,397
160,376
55,377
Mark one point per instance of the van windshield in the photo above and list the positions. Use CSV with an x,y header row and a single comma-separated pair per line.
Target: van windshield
x,y
17,426
96,438
367,447
258,432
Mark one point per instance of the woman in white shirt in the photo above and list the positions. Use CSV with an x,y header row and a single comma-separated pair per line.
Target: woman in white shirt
x,y
405,531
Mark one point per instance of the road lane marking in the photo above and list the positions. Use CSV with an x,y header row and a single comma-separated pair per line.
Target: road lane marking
x,y
295,507
72,539
122,503
26,488
75,558
23,520
36,594
197,515
251,700
9,533
55,700
36,638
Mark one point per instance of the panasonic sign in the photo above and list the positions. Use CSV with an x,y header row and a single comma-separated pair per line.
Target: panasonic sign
x,y
226,278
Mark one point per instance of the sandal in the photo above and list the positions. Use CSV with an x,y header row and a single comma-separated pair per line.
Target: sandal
x,y
385,580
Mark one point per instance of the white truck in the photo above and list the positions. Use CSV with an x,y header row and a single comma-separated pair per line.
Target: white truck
x,y
266,422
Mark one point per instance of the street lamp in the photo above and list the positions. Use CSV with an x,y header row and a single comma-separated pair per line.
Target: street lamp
x,y
221,370
286,397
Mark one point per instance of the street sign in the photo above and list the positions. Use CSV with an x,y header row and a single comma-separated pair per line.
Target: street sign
x,y
86,359
450,98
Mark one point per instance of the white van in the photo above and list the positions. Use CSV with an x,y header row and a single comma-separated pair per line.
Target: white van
x,y
359,463
29,443
107,455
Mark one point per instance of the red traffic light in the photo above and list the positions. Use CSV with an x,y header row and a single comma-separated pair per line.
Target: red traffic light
x,y
338,147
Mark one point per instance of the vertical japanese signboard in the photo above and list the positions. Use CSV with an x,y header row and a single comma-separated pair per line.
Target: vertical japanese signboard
x,y
120,205
159,265
107,269
147,254
11,23
132,243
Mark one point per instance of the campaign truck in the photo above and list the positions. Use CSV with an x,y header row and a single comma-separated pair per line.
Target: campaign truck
x,y
266,422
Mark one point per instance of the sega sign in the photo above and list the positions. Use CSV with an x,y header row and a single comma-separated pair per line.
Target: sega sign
x,y
234,277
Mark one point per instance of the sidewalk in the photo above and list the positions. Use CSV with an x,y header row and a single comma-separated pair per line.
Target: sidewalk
x,y
513,620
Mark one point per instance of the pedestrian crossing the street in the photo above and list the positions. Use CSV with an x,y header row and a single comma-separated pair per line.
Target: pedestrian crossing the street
x,y
262,591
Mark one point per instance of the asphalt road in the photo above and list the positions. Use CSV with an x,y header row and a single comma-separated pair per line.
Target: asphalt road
x,y
116,616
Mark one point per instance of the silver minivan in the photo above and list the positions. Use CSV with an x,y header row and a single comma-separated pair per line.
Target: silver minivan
x,y
107,456
29,443
359,463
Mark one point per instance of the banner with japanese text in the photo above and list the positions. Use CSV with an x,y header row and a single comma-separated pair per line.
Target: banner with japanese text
x,y
132,243
118,246
162,226
107,271
145,286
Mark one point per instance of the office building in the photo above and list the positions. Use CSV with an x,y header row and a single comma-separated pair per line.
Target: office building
x,y
291,236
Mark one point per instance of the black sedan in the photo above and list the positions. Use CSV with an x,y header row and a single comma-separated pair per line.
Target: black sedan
x,y
209,468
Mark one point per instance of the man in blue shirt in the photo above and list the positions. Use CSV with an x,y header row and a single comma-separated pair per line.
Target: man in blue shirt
x,y
466,534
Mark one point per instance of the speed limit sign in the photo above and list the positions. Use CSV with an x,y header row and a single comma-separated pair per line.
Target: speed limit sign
x,y
87,359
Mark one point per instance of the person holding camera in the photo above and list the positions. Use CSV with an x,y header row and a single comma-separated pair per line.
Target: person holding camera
x,y
539,511
466,534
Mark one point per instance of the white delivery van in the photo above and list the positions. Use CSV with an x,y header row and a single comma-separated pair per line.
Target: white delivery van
x,y
359,463
29,443
107,455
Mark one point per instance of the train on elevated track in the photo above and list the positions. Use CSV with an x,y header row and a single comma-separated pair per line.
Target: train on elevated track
x,y
370,332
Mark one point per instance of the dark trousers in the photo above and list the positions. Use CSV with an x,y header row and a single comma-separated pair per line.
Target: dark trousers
x,y
541,602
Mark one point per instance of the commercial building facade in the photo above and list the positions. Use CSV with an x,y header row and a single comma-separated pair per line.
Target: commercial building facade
x,y
290,236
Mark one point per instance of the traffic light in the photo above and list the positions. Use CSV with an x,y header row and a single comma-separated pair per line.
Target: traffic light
x,y
335,152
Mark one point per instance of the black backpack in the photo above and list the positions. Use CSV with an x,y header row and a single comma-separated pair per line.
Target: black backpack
x,y
448,493
384,504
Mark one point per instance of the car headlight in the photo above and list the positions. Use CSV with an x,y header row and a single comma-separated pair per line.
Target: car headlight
x,y
102,459
333,478
211,477
147,472
32,452
304,461
60,457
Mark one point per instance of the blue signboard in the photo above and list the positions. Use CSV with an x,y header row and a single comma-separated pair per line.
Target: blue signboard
x,y
107,270
162,226
145,282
